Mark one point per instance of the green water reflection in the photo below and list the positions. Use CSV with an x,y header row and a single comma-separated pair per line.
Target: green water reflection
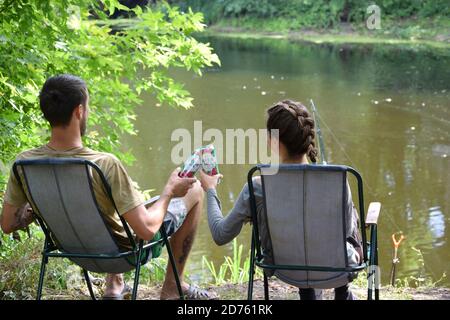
x,y
389,108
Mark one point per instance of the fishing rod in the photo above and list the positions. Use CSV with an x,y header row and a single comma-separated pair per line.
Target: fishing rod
x,y
396,242
323,156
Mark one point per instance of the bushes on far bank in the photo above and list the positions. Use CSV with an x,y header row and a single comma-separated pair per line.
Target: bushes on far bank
x,y
317,13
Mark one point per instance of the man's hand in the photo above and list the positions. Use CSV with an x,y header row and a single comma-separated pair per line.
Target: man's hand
x,y
176,186
15,218
209,182
26,217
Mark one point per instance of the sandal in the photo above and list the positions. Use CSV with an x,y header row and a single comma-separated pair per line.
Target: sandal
x,y
126,292
195,293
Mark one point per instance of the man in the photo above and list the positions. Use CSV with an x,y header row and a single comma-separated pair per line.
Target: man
x,y
64,101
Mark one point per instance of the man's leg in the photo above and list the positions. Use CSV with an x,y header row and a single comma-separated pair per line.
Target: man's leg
x,y
182,240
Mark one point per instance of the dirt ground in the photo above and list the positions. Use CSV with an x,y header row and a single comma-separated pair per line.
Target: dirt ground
x,y
278,291
282,291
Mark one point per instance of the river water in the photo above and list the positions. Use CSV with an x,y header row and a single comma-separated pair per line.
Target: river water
x,y
385,111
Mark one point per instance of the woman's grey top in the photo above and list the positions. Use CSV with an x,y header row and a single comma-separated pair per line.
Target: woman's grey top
x,y
225,229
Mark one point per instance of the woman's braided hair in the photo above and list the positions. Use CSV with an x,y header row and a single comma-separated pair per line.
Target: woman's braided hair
x,y
296,128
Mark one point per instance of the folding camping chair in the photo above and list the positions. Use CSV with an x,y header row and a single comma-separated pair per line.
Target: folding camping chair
x,y
60,191
304,208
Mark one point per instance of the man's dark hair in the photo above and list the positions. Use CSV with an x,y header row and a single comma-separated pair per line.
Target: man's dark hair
x,y
60,95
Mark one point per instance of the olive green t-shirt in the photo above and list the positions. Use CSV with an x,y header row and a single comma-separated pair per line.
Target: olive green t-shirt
x,y
125,195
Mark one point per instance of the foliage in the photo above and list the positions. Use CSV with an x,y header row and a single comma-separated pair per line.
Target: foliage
x,y
218,275
233,270
313,13
39,39
152,272
422,279
20,263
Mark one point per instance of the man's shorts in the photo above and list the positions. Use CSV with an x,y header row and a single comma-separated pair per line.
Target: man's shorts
x,y
173,220
176,213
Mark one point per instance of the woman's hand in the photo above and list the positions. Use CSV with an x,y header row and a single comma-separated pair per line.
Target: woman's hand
x,y
209,182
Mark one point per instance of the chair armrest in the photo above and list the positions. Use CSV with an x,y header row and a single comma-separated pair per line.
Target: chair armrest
x,y
372,213
150,201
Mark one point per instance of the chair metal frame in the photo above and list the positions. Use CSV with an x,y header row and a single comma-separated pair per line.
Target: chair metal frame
x,y
51,249
370,259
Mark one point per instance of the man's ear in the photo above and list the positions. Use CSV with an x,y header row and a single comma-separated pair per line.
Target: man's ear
x,y
78,112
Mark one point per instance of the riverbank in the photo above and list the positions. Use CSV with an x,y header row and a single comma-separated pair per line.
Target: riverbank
x,y
404,33
278,291
433,33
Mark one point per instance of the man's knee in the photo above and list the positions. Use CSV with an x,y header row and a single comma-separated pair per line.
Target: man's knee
x,y
194,196
197,191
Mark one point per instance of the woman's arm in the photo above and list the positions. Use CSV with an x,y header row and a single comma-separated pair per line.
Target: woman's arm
x,y
351,215
223,229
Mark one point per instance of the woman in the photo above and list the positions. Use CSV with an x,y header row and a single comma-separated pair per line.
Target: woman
x,y
295,145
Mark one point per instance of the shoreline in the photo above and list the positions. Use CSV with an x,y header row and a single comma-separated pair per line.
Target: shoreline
x,y
335,36
345,33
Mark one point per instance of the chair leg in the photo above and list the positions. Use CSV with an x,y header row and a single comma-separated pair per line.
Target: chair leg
x,y
372,275
266,287
251,269
136,281
137,272
250,282
371,282
89,284
377,274
41,276
377,290
172,262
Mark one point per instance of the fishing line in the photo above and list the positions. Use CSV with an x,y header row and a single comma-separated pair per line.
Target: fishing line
x,y
396,243
335,138
323,156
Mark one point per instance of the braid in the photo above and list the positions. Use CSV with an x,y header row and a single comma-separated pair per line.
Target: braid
x,y
306,123
298,137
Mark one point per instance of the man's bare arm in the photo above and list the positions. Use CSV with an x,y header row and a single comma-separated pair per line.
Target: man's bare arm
x,y
146,222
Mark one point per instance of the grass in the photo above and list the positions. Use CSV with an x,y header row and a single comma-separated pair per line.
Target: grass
x,y
20,264
424,32
233,270
326,38
421,280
